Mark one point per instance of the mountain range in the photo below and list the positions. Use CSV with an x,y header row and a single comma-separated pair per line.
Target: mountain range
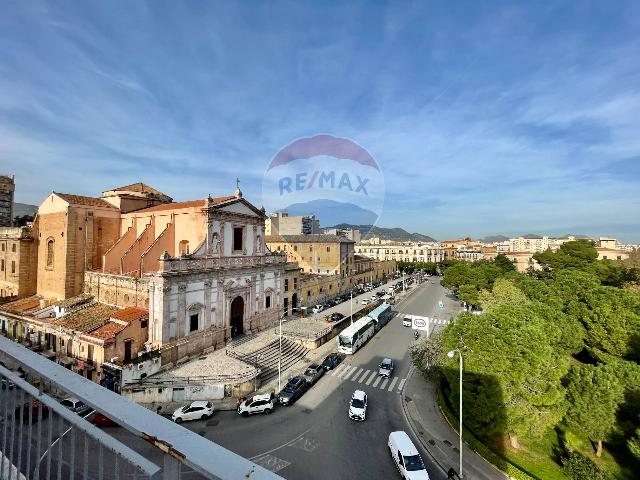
x,y
394,234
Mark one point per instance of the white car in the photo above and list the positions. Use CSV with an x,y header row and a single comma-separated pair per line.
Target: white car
x,y
406,321
257,404
358,406
365,301
317,308
406,457
200,410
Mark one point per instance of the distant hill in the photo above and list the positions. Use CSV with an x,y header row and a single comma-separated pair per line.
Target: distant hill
x,y
395,234
20,209
494,239
330,212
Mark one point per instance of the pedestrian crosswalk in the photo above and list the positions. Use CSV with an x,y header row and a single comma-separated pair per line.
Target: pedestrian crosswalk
x,y
359,375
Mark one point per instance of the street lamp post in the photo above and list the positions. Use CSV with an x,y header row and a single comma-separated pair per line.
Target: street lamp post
x,y
451,354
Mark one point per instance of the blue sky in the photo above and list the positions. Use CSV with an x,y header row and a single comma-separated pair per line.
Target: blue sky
x,y
486,117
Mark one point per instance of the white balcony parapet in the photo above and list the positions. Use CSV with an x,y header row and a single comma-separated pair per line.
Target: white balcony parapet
x,y
29,442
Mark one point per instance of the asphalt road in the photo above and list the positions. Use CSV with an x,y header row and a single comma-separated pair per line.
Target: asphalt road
x,y
314,438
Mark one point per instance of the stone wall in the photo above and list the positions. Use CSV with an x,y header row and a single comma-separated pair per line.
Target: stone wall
x,y
118,290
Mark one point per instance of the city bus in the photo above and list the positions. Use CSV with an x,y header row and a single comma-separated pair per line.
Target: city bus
x,y
381,315
356,335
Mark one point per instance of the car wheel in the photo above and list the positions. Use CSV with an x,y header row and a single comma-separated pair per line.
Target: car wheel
x,y
267,411
204,417
245,414
178,420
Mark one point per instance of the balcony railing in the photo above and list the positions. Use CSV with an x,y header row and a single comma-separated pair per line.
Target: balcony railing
x,y
213,262
41,439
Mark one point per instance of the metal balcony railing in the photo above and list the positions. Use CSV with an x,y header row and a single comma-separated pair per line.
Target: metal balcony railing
x,y
41,439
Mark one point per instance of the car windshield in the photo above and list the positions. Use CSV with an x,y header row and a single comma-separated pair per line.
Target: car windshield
x,y
386,366
413,463
357,403
344,341
310,371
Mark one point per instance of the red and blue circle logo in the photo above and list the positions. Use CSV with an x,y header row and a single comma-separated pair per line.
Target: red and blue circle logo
x,y
333,178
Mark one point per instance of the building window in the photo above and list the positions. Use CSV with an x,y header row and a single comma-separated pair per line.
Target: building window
x,y
13,266
3,247
328,249
2,266
310,248
193,322
183,247
237,238
144,323
50,246
286,284
295,248
295,283
267,301
13,247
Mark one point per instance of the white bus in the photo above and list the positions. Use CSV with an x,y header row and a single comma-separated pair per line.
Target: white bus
x,y
356,335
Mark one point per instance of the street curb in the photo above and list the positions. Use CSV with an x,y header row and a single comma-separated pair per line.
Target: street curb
x,y
410,422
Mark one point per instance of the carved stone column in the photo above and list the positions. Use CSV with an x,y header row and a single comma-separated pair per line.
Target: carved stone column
x,y
164,295
220,311
261,292
182,311
207,304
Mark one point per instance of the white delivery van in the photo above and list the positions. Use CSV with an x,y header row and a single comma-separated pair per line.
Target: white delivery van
x,y
406,457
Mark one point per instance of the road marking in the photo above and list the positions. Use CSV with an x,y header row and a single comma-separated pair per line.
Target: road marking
x,y
393,382
346,377
375,384
373,374
353,377
339,369
271,462
401,384
304,443
364,375
384,383
346,372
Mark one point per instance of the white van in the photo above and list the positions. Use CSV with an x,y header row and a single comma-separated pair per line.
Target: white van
x,y
406,457
407,321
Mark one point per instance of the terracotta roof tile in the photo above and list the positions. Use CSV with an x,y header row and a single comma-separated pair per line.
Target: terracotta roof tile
x,y
180,205
87,201
24,305
86,319
108,330
129,314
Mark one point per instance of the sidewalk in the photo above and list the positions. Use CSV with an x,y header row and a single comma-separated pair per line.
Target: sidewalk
x,y
419,403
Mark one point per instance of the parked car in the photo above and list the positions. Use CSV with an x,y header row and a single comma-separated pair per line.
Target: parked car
x,y
102,420
76,406
293,390
406,457
313,373
358,406
331,361
330,303
317,308
386,368
199,410
257,404
365,301
34,406
406,321
336,317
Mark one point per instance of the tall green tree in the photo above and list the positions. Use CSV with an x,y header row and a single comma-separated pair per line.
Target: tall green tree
x,y
512,375
576,254
594,394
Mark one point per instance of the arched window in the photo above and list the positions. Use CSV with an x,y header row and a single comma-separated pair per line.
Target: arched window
x,y
183,247
50,255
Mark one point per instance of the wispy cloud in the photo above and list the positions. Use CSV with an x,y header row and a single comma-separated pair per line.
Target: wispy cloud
x,y
485,118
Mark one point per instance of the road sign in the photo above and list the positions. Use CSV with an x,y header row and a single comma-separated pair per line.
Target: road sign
x,y
420,323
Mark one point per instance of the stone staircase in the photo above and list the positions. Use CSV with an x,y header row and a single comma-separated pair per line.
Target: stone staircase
x,y
292,352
